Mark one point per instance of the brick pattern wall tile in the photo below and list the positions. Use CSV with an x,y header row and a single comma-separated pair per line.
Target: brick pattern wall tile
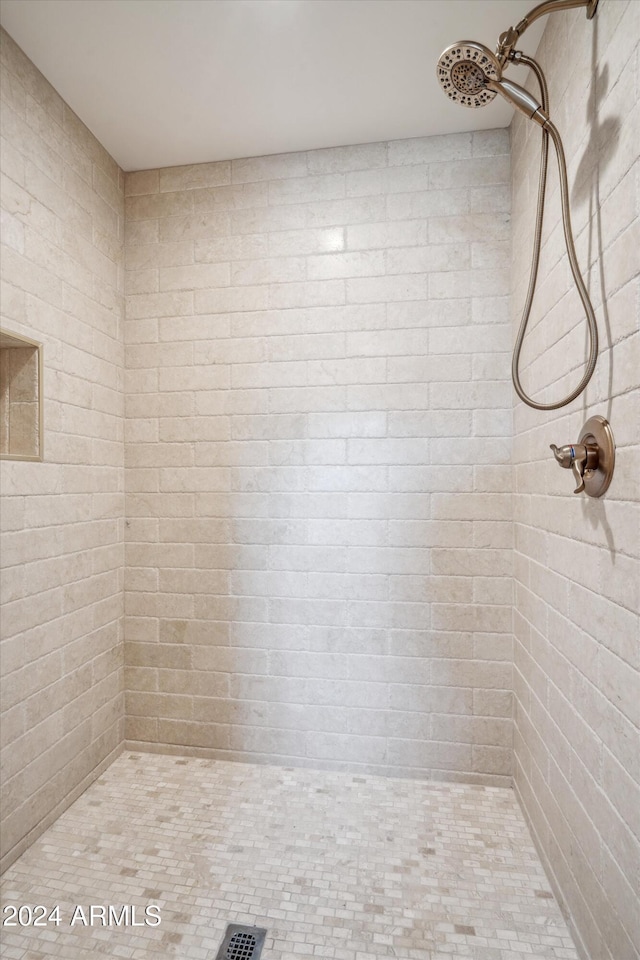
x,y
318,434
62,551
577,570
318,458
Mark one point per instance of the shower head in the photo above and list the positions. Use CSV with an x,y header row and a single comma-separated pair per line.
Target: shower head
x,y
464,69
470,74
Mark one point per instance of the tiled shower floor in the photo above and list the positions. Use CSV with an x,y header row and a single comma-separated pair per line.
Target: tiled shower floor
x,y
335,866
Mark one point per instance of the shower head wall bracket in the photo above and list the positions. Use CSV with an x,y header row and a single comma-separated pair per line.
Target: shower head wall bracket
x,y
508,39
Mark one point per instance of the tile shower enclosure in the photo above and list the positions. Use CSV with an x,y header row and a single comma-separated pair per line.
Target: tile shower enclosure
x,y
298,425
318,535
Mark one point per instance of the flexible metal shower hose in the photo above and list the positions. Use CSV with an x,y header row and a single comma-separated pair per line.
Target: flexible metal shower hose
x,y
550,130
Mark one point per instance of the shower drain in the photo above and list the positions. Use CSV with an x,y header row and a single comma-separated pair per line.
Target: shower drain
x,y
241,943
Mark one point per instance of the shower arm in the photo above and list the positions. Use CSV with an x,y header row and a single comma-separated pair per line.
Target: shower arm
x,y
508,39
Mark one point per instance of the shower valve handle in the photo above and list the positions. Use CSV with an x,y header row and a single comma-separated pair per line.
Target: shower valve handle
x,y
578,457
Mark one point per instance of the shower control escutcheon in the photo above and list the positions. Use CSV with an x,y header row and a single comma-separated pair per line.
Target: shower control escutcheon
x,y
591,459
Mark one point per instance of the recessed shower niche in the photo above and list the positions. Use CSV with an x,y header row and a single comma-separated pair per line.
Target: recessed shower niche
x,y
20,397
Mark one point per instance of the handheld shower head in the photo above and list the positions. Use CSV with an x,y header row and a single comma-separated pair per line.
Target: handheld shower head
x,y
464,69
470,74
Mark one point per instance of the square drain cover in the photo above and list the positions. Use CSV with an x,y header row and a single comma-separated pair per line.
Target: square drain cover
x,y
241,943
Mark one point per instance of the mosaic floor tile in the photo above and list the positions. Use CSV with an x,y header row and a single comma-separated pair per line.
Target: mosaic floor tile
x,y
335,866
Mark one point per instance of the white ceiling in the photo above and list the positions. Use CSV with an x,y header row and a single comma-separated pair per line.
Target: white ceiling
x,y
168,82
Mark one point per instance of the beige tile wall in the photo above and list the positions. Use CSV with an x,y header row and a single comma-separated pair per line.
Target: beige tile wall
x,y
318,458
319,528
62,547
577,744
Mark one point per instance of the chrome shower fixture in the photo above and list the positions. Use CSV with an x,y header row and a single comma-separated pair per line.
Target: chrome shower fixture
x,y
470,74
